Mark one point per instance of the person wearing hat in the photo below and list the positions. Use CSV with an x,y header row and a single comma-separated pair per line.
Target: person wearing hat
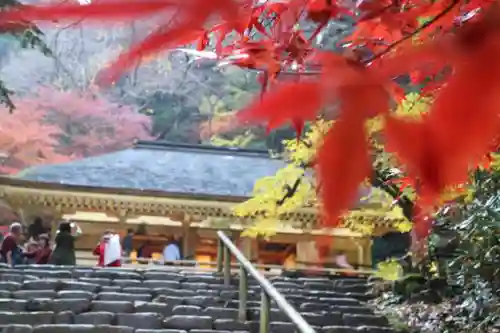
x,y
10,251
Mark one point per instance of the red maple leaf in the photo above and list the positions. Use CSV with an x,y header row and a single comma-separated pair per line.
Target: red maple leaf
x,y
286,103
185,30
451,140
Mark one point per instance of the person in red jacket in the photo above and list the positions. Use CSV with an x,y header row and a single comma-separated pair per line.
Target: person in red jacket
x,y
109,250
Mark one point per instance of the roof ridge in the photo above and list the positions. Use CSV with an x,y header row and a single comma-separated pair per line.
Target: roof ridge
x,y
201,148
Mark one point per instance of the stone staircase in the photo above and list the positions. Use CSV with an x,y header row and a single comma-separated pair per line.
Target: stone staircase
x,y
48,299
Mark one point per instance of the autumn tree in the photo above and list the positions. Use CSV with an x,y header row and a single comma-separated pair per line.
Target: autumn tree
x,y
221,106
26,139
80,50
90,124
53,126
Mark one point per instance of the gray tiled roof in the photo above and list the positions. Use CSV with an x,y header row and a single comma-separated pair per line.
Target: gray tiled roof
x,y
165,167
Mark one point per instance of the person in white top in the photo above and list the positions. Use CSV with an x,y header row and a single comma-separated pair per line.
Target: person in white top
x,y
171,251
109,250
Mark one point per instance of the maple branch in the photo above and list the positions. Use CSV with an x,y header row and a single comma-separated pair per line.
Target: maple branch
x,y
424,26
379,12
59,65
380,180
390,47
290,191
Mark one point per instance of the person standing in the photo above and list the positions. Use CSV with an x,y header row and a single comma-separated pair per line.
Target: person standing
x,y
64,251
109,250
127,243
171,251
10,251
41,255
30,248
36,229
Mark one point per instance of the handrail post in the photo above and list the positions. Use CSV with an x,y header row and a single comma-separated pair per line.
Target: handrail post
x,y
243,295
220,253
268,292
227,266
264,312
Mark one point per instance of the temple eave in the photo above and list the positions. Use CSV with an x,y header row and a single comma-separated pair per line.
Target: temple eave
x,y
69,199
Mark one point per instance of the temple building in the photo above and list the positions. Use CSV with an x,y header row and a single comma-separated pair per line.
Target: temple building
x,y
161,189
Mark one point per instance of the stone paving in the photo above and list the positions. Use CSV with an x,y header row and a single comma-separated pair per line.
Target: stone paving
x,y
49,299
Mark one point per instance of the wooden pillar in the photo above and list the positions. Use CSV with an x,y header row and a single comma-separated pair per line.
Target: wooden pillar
x,y
25,224
22,216
246,247
189,239
368,258
360,251
255,250
306,252
185,239
122,219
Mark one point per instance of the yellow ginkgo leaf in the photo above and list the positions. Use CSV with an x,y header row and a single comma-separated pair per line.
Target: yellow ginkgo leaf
x,y
404,226
365,229
374,125
470,195
265,228
495,162
356,225
389,270
300,152
413,106
396,212
238,141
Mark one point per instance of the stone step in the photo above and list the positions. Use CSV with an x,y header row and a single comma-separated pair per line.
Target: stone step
x,y
116,312
143,287
76,299
85,328
136,286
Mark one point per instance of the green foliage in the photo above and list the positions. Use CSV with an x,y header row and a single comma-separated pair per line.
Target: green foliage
x,y
172,120
243,140
462,263
238,89
477,255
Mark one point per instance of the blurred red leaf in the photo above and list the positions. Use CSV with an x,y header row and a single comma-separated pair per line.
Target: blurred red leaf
x,y
287,102
341,177
98,10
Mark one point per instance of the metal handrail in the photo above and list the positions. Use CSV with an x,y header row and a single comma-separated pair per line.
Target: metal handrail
x,y
225,249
